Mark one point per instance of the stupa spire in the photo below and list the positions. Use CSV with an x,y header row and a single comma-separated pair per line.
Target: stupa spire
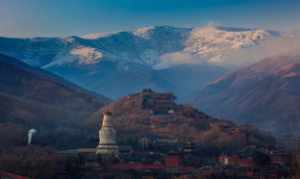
x,y
107,137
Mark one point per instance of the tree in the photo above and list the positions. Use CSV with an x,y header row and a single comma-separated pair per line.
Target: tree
x,y
261,159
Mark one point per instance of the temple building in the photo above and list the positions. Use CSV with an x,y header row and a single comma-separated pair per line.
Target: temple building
x,y
107,138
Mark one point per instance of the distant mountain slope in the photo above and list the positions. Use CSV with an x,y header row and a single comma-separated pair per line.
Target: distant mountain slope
x,y
156,115
101,62
32,98
35,51
265,94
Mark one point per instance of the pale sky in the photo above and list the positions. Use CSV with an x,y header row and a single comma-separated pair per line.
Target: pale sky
x,y
28,18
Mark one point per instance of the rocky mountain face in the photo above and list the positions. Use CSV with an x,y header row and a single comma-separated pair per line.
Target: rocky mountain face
x,y
153,115
154,57
265,94
33,98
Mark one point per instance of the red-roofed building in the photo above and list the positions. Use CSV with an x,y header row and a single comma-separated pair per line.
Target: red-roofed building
x,y
247,163
172,161
236,161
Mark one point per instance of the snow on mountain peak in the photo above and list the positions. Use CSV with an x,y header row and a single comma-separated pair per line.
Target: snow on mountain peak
x,y
95,35
214,45
211,41
143,31
87,55
82,55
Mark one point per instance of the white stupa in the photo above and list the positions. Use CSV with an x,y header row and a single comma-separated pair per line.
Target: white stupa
x,y
107,138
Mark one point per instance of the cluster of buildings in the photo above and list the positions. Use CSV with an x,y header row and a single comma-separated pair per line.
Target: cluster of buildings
x,y
117,159
109,160
276,166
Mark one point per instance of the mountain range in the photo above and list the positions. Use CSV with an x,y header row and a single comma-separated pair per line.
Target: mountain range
x,y
153,56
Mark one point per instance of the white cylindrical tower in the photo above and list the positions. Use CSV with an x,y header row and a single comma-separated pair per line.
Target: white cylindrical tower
x,y
107,137
30,135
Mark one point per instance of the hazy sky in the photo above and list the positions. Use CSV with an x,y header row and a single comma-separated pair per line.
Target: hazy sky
x,y
27,18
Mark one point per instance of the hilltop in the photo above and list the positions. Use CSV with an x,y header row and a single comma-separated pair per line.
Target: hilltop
x,y
157,115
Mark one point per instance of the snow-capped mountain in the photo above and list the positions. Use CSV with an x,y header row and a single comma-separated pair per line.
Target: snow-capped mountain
x,y
158,47
93,60
81,55
214,42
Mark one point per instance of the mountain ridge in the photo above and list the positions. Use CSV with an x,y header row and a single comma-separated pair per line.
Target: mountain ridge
x,y
265,94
